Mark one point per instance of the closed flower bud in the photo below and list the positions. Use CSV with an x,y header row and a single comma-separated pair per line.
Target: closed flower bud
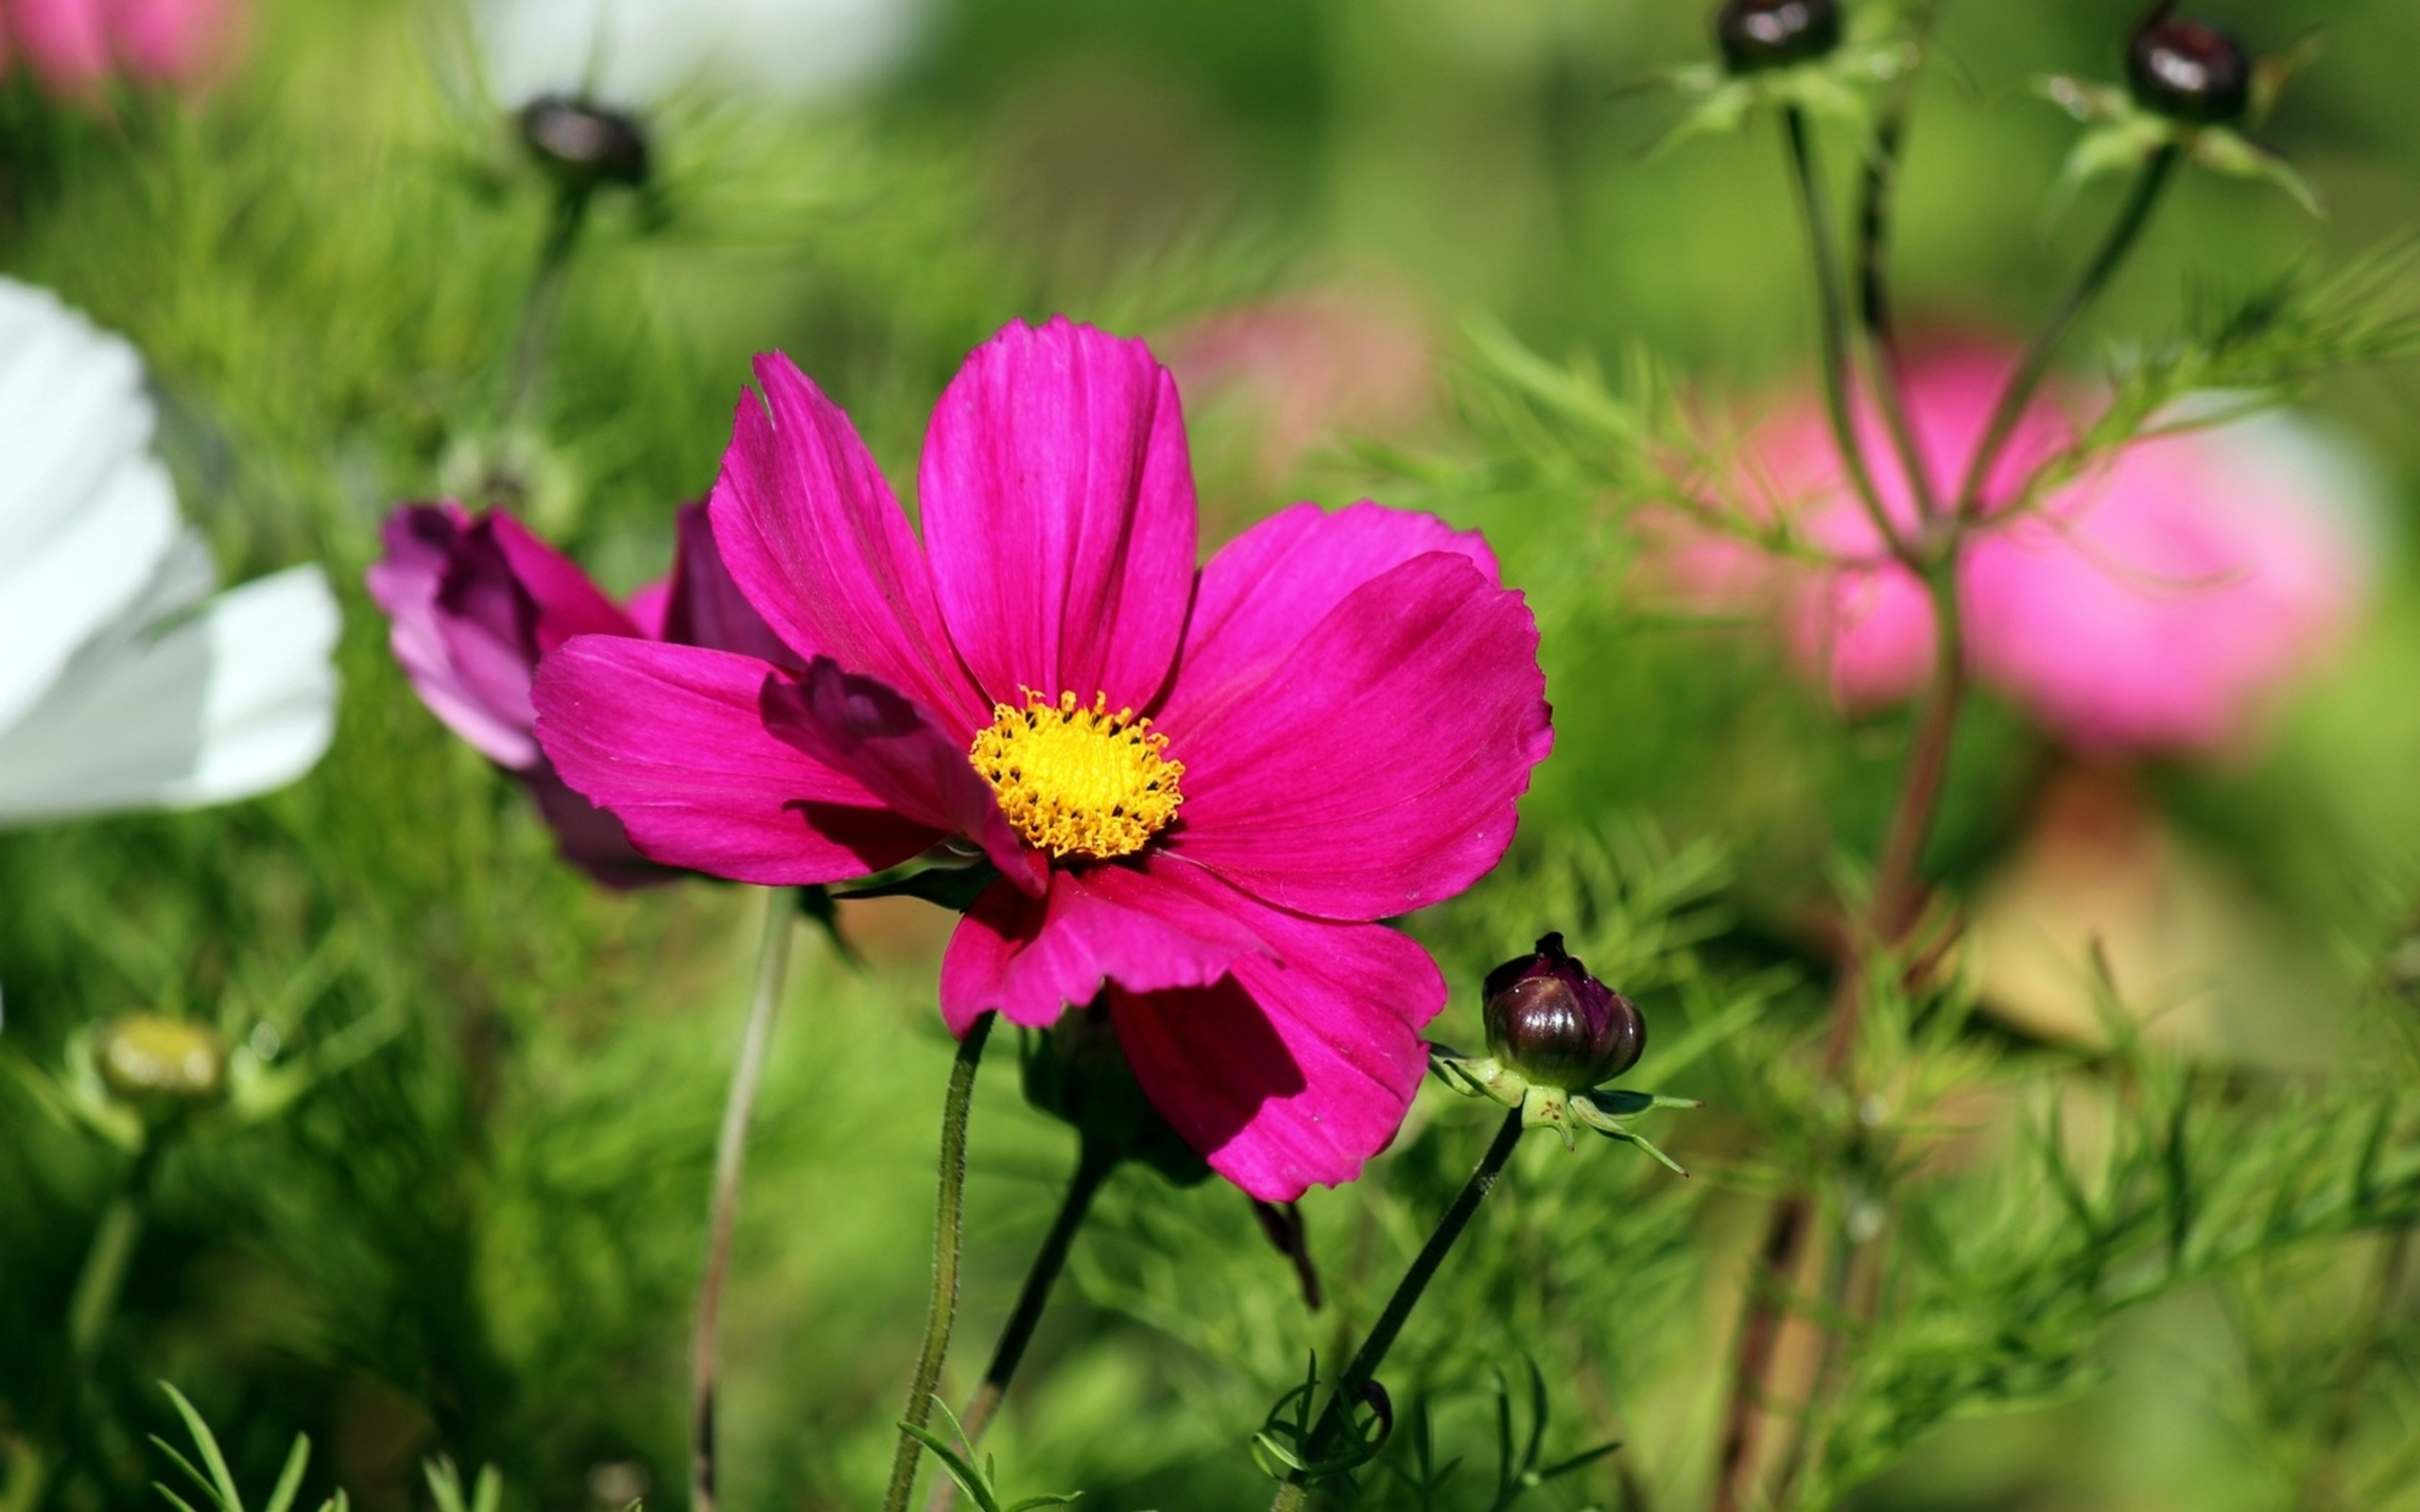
x,y
584,146
1756,35
2188,71
153,1059
1556,1026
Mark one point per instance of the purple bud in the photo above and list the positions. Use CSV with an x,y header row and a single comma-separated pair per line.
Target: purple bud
x,y
1756,35
1555,1025
2188,71
584,146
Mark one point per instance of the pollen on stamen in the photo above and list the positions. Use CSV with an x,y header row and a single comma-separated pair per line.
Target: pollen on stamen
x,y
1074,779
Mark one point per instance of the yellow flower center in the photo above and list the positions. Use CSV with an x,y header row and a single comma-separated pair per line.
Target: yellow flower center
x,y
1078,780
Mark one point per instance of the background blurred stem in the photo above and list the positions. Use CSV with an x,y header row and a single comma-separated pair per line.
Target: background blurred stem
x,y
1094,1166
2019,396
544,298
1875,311
1834,325
731,1153
948,1223
1373,1354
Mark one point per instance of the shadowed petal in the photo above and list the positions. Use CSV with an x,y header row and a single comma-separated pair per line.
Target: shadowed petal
x,y
1058,505
702,603
809,531
859,725
669,739
1295,1069
1379,769
1269,587
1161,924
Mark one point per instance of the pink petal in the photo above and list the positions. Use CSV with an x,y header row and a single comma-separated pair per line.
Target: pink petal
x,y
1296,1069
1379,769
704,605
1162,925
671,740
1058,505
66,42
809,531
479,703
589,837
176,42
565,599
858,726
1269,587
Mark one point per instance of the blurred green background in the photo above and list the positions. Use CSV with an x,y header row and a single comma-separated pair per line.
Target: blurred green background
x,y
480,1236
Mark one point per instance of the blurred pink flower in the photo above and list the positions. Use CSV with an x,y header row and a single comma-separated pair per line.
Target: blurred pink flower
x,y
2160,604
75,47
1311,366
476,600
1345,708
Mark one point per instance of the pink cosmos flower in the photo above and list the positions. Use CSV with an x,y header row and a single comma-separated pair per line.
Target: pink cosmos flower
x,y
475,601
1200,785
75,47
2158,605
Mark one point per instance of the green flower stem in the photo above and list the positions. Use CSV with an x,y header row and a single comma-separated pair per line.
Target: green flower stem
x,y
568,218
1834,326
99,1284
1373,1354
948,1222
2080,297
1875,311
1094,1166
731,1155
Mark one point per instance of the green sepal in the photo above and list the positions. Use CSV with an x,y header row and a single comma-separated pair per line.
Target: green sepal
x,y
2124,136
945,880
1477,1076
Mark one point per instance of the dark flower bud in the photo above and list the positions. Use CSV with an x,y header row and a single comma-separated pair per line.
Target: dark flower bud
x,y
153,1059
1756,35
2188,71
583,145
1558,1026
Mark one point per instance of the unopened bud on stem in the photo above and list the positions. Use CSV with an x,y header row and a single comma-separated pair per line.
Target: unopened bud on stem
x,y
583,145
1756,35
1558,1026
157,1062
2189,71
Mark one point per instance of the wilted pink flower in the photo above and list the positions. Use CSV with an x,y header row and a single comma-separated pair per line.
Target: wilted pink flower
x,y
75,47
475,601
1200,785
2158,604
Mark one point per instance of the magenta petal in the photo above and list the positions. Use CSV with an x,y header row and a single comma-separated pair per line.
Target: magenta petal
x,y
566,600
1163,924
1057,495
589,837
1269,587
861,727
669,739
704,605
810,533
1296,1070
406,582
1378,769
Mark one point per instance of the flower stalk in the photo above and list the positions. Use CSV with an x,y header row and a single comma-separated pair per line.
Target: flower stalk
x,y
1094,1166
1349,1386
730,1155
948,1231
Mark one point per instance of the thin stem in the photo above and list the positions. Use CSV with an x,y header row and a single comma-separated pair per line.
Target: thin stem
x,y
1834,327
1373,1353
2019,396
948,1225
1875,311
569,217
731,1155
1899,891
1094,1166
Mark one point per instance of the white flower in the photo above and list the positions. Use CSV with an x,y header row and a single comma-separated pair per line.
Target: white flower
x,y
123,683
634,51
